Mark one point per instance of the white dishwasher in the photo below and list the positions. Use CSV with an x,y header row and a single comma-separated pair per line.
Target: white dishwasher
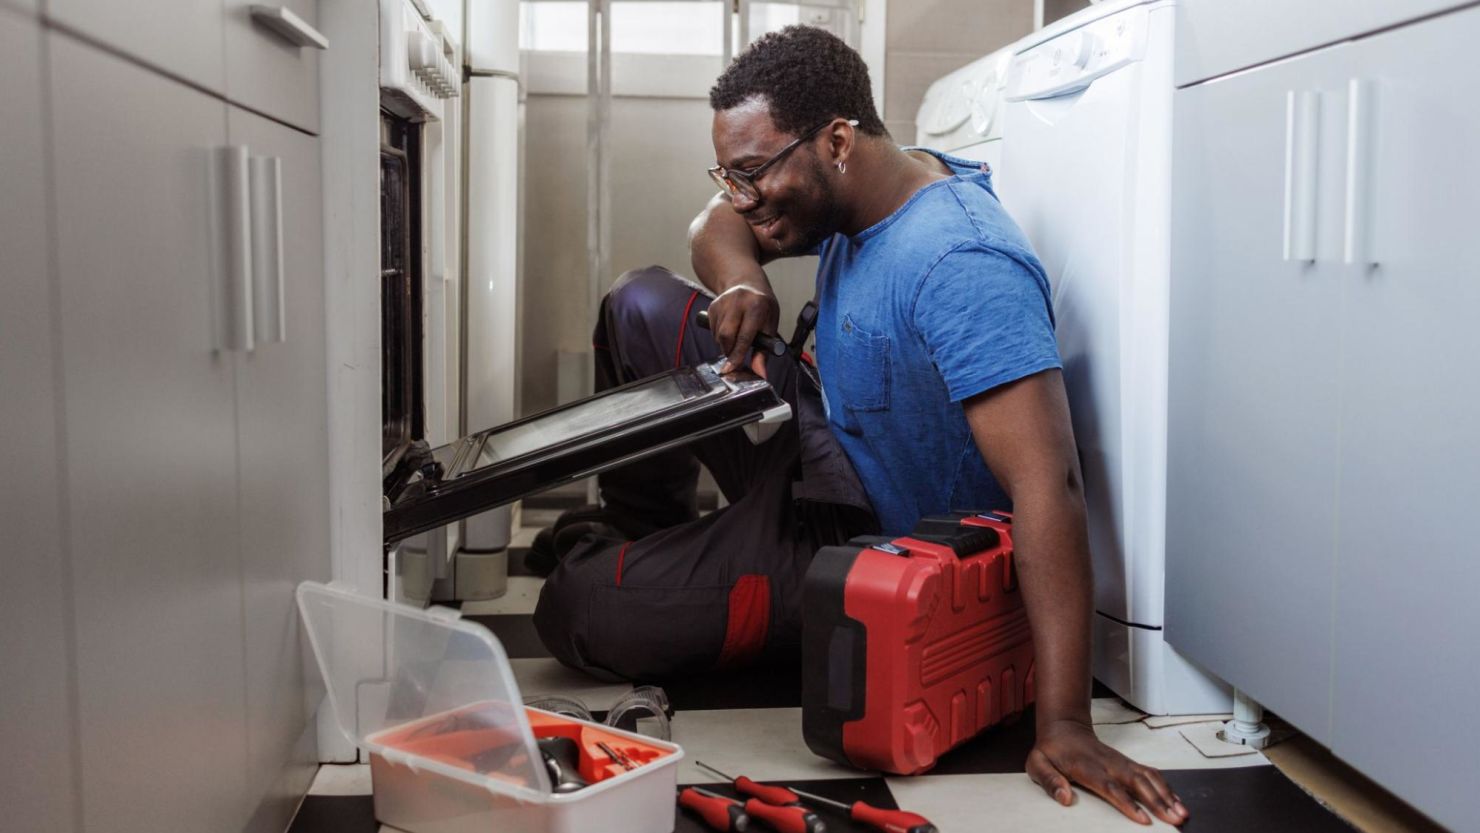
x,y
1088,178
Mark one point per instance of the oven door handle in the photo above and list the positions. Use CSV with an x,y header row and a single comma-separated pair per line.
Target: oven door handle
x,y
267,249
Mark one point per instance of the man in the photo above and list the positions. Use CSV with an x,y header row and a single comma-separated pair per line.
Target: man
x,y
941,388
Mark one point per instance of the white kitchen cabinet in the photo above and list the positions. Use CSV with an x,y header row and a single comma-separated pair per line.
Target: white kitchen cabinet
x,y
180,37
1252,419
1215,37
1323,447
34,656
151,449
284,468
1407,659
268,73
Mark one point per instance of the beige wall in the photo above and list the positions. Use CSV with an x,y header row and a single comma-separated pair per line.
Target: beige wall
x,y
660,148
1055,9
926,39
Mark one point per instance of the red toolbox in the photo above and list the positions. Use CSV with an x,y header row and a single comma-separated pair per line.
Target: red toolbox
x,y
911,646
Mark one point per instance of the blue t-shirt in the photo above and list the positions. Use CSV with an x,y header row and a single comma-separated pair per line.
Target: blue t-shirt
x,y
938,302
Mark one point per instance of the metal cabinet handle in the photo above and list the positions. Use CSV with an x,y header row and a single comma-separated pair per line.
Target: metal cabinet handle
x,y
234,250
1302,144
290,26
1360,124
267,249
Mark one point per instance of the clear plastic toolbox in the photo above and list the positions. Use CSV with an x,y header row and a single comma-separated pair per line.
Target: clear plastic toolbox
x,y
433,701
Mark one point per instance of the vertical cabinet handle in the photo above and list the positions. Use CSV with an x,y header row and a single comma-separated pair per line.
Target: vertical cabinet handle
x,y
267,249
233,250
1302,142
1360,127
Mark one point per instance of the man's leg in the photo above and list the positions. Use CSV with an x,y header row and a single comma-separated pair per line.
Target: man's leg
x,y
647,326
720,591
698,593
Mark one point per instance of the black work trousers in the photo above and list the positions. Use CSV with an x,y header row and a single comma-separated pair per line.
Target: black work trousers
x,y
701,593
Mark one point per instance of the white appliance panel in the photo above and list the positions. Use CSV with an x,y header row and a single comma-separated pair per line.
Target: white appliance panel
x,y
1068,175
1088,178
492,246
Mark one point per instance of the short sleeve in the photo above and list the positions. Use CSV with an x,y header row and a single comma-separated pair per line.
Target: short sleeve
x,y
986,319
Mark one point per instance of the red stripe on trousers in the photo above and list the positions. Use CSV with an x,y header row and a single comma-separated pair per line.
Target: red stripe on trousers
x,y
621,557
683,327
750,619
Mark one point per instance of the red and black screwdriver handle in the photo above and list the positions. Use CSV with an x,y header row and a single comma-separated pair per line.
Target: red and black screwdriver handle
x,y
891,821
718,812
793,818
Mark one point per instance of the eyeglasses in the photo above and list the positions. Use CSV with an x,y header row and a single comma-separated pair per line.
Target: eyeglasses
x,y
742,184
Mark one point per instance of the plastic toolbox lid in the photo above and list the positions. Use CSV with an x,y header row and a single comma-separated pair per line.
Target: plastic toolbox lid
x,y
387,665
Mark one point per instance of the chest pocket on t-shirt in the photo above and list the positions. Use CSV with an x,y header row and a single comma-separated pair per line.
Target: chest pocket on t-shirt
x,y
863,368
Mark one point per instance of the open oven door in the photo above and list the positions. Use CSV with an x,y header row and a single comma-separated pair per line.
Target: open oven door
x,y
426,488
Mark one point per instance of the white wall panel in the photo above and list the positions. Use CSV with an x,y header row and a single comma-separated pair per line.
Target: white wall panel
x,y
36,786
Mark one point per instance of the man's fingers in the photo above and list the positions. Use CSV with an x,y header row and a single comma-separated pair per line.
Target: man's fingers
x,y
1111,790
1047,776
1152,791
741,349
758,363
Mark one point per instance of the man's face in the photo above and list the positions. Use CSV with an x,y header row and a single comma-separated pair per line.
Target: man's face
x,y
797,207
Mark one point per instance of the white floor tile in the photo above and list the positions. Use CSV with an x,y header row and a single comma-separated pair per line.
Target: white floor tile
x,y
1166,748
539,518
1112,710
524,536
1161,721
523,593
764,744
992,803
341,779
1204,736
547,677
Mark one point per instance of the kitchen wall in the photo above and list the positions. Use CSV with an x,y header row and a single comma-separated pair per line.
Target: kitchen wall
x,y
926,39
660,149
661,146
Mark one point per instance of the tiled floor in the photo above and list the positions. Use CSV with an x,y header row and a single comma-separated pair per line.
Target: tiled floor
x,y
751,724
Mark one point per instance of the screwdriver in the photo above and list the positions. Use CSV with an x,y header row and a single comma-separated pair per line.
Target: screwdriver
x,y
889,821
764,342
792,819
780,796
717,811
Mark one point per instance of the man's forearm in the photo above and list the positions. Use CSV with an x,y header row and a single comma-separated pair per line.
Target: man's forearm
x,y
1054,571
723,251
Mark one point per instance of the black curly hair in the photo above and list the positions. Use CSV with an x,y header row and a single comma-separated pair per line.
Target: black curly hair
x,y
807,75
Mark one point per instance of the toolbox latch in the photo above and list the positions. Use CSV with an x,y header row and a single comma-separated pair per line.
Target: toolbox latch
x,y
892,549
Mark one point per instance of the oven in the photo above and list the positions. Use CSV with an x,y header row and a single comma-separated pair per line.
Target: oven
x,y
419,276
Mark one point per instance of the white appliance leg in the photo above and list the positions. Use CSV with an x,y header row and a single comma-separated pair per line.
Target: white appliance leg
x,y
1247,726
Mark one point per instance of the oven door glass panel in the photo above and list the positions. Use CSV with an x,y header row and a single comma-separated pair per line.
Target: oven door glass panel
x,y
612,428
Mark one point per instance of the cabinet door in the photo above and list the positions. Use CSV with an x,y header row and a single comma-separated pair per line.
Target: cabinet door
x,y
282,404
1407,656
34,654
150,448
266,72
181,37
1252,412
1219,36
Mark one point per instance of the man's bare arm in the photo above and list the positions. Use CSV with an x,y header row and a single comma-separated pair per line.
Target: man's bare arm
x,y
729,260
1023,432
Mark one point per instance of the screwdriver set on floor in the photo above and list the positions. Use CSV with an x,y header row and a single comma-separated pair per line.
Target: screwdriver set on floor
x,y
781,809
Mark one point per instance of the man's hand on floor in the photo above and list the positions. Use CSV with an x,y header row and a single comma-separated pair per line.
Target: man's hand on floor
x,y
1068,750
